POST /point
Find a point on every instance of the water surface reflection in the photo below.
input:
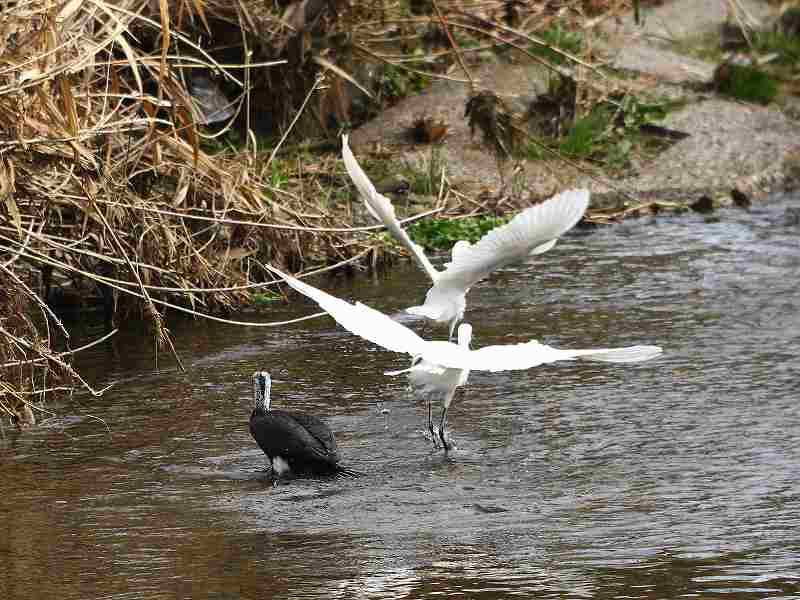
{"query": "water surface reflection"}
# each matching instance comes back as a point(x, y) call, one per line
point(673, 478)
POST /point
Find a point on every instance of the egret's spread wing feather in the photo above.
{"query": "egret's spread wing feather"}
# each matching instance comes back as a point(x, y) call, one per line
point(544, 247)
point(532, 231)
point(516, 357)
point(630, 354)
point(360, 319)
point(382, 209)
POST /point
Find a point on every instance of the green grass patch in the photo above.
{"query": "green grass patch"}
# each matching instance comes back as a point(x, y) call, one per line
point(265, 298)
point(424, 177)
point(786, 47)
point(609, 133)
point(557, 36)
point(746, 83)
point(586, 133)
point(397, 83)
point(442, 234)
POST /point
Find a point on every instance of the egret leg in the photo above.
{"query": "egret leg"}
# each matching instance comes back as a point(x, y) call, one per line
point(453, 324)
point(443, 430)
point(430, 425)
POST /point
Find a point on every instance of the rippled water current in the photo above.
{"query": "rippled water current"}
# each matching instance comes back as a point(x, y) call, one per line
point(677, 478)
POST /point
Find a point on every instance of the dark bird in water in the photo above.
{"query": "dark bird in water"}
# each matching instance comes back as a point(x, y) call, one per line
point(295, 443)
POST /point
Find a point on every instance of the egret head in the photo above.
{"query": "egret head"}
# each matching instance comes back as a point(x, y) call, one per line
point(261, 387)
point(464, 335)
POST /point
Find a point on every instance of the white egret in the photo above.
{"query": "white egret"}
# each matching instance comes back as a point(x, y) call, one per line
point(434, 380)
point(294, 442)
point(533, 231)
point(443, 366)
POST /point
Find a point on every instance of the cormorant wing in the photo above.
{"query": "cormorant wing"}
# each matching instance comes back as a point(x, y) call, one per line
point(533, 231)
point(318, 429)
point(382, 209)
point(280, 433)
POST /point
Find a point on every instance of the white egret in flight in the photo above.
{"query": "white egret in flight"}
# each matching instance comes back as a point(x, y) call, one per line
point(533, 231)
point(443, 366)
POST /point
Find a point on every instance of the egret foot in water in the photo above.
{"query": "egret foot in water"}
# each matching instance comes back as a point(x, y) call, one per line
point(431, 428)
point(443, 432)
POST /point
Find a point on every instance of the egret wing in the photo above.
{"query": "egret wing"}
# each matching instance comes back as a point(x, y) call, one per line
point(382, 209)
point(533, 231)
point(360, 319)
point(514, 357)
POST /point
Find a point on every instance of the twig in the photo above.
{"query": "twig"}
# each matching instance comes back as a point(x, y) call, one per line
point(453, 43)
point(320, 78)
point(195, 217)
point(60, 354)
point(161, 331)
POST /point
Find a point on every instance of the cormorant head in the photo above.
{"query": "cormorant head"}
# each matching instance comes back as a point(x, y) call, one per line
point(261, 388)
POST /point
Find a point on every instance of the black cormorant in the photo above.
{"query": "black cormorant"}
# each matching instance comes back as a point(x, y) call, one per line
point(295, 443)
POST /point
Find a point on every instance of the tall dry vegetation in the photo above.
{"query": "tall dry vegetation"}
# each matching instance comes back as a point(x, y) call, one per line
point(105, 189)
point(104, 184)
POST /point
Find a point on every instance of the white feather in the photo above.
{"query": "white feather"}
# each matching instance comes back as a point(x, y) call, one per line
point(382, 209)
point(380, 329)
point(533, 231)
point(360, 319)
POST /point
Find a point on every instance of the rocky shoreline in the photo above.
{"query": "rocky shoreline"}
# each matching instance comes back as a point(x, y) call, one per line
point(731, 145)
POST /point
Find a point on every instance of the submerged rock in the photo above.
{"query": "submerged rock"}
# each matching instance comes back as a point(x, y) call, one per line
point(740, 199)
point(704, 204)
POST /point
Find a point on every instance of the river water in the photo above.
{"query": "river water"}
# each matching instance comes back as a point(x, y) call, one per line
point(678, 477)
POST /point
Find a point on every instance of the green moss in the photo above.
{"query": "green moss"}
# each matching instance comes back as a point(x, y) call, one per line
point(586, 133)
point(264, 298)
point(441, 234)
point(746, 83)
point(557, 36)
point(786, 47)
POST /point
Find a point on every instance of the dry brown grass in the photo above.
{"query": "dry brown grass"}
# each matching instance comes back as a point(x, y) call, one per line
point(104, 183)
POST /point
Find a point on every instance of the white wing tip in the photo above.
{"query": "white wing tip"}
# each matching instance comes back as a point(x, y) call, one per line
point(576, 194)
point(630, 354)
point(429, 312)
point(399, 372)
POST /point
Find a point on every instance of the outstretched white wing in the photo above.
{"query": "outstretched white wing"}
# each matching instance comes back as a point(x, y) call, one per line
point(380, 329)
point(533, 231)
point(382, 209)
point(515, 357)
point(360, 319)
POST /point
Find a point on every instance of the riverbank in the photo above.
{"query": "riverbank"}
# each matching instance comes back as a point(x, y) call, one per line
point(117, 187)
point(729, 144)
